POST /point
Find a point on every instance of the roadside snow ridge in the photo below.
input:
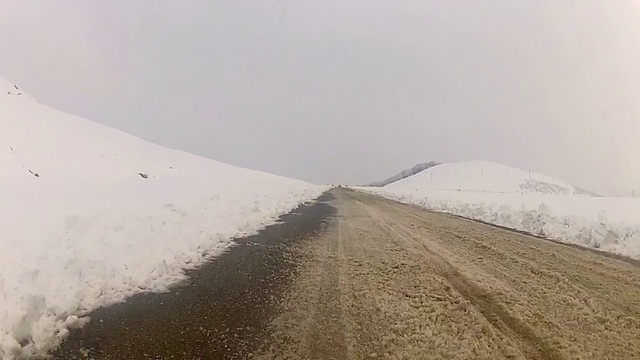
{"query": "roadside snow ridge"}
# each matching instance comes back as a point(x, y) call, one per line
point(90, 215)
point(485, 176)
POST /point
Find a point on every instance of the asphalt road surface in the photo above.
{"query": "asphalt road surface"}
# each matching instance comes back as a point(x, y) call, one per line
point(359, 277)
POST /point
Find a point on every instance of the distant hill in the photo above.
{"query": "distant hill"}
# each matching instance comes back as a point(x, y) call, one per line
point(405, 174)
point(485, 176)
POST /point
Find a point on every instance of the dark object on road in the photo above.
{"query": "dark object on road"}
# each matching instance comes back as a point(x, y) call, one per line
point(143, 175)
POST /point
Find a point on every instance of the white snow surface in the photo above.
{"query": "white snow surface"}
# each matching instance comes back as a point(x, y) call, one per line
point(501, 195)
point(81, 228)
point(485, 176)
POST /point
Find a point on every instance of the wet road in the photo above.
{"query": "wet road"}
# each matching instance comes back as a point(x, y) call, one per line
point(221, 312)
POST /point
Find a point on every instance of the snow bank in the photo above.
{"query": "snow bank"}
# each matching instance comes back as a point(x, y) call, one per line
point(531, 202)
point(608, 224)
point(90, 216)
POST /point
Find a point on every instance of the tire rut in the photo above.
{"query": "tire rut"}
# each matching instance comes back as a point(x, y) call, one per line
point(525, 260)
point(531, 345)
point(328, 336)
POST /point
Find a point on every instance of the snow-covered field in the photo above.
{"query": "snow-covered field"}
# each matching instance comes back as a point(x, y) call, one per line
point(534, 203)
point(90, 215)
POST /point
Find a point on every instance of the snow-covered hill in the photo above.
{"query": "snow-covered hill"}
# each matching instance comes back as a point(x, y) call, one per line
point(90, 215)
point(405, 173)
point(485, 176)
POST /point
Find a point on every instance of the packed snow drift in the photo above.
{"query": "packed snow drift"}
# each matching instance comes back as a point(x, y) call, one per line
point(524, 201)
point(90, 215)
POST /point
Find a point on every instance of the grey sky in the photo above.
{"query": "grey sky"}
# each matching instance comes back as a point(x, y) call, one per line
point(348, 91)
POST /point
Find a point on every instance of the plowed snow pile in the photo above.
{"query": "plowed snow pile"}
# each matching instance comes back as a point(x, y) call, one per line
point(90, 215)
point(530, 202)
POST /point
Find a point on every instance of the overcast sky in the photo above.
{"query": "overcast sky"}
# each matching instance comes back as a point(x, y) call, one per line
point(348, 91)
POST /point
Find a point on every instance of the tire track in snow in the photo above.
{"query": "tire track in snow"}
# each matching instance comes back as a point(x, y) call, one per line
point(532, 345)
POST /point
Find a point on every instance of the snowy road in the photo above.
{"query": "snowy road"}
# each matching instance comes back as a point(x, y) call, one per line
point(372, 278)
point(388, 280)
